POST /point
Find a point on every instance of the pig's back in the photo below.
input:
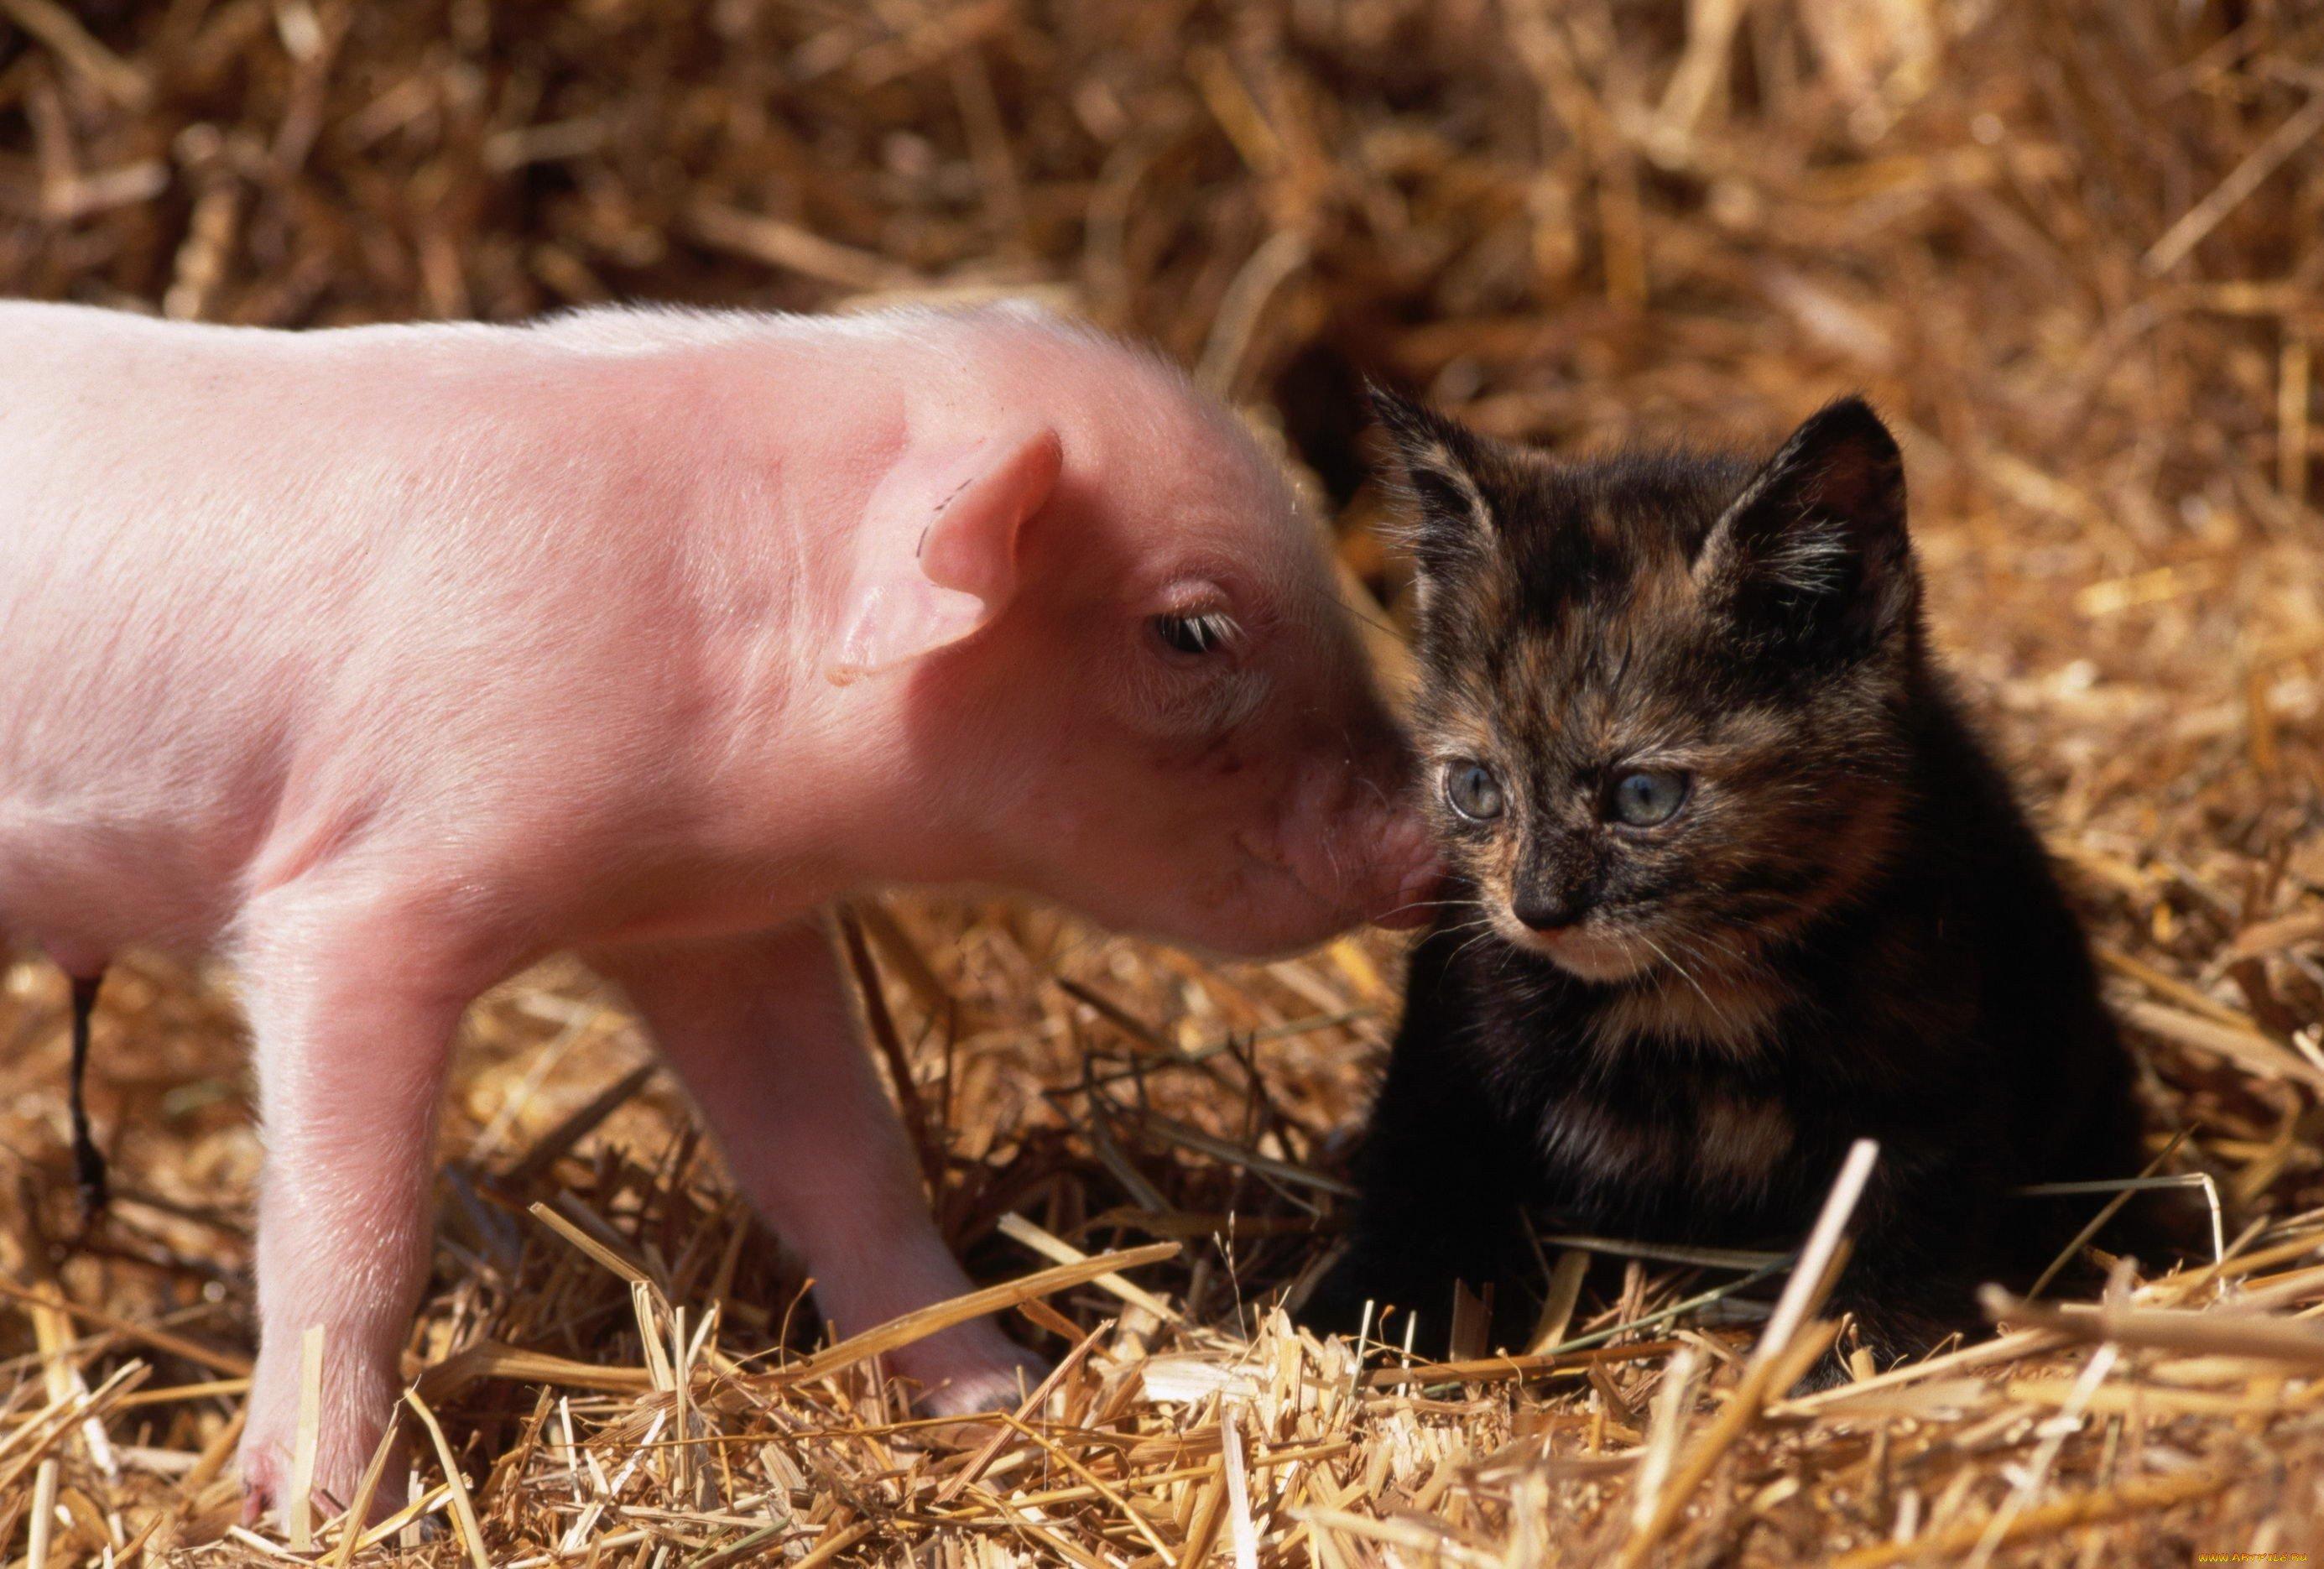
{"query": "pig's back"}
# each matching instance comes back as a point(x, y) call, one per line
point(144, 678)
point(248, 580)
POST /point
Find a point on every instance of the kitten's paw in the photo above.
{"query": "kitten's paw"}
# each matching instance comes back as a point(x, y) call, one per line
point(1829, 1371)
point(1335, 1306)
point(1359, 1294)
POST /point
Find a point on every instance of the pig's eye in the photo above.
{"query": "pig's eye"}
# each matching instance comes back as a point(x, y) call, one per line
point(1473, 791)
point(1193, 634)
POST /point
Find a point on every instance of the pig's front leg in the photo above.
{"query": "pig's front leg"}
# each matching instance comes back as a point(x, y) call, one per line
point(762, 1033)
point(352, 1020)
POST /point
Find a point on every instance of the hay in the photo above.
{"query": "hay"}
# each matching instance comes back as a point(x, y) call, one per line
point(2069, 247)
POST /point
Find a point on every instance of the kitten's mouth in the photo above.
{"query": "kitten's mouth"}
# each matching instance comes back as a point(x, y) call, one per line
point(1584, 954)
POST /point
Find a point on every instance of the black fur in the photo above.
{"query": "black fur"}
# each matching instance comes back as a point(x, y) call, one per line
point(1849, 931)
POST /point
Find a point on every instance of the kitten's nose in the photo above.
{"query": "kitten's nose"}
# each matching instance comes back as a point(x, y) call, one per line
point(1548, 909)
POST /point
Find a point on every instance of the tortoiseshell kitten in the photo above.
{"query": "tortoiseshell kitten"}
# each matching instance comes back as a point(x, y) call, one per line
point(1734, 884)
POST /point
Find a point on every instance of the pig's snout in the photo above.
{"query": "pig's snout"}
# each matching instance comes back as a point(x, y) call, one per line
point(1405, 844)
point(1358, 842)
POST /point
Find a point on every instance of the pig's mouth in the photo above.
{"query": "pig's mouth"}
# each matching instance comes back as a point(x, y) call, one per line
point(1415, 900)
point(1342, 889)
point(1268, 871)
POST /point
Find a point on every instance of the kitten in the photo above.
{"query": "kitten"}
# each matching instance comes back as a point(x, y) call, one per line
point(1735, 883)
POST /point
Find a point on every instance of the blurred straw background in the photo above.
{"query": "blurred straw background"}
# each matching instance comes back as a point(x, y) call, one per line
point(2071, 247)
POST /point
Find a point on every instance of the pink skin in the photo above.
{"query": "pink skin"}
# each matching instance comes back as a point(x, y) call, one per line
point(385, 660)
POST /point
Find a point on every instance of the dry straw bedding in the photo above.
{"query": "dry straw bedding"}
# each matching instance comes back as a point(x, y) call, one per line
point(2069, 247)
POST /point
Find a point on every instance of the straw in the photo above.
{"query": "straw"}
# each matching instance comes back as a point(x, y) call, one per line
point(2065, 248)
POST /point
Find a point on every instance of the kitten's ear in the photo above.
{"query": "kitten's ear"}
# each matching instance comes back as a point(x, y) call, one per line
point(1442, 466)
point(1813, 553)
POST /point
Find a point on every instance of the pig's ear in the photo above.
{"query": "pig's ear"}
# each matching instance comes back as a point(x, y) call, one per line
point(936, 555)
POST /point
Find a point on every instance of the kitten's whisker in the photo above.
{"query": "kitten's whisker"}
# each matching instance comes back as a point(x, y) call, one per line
point(1443, 904)
point(1745, 962)
point(1688, 976)
point(1371, 617)
point(1472, 942)
point(1430, 904)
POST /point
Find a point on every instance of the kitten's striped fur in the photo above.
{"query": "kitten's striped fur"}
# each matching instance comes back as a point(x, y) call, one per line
point(1847, 928)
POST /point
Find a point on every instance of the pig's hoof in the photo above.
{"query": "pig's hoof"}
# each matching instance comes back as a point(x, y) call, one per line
point(1003, 1388)
point(265, 1482)
point(968, 1369)
point(971, 1393)
point(266, 1487)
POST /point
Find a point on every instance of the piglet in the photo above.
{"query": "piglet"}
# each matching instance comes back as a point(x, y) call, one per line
point(385, 660)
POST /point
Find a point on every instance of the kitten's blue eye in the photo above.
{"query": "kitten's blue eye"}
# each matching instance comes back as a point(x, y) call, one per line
point(1649, 798)
point(1194, 634)
point(1473, 792)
